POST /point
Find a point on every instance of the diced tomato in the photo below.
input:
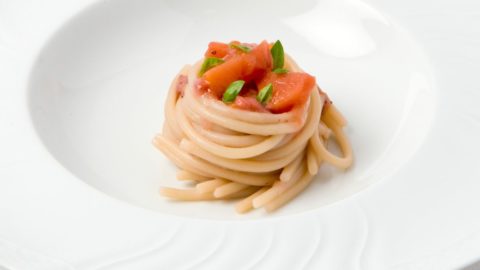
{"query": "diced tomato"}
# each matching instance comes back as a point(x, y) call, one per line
point(263, 60)
point(258, 62)
point(217, 49)
point(221, 76)
point(248, 104)
point(289, 90)
point(246, 66)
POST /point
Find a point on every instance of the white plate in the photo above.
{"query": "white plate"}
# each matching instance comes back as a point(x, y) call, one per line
point(82, 87)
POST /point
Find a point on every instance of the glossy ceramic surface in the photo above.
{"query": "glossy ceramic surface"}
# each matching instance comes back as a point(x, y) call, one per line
point(82, 86)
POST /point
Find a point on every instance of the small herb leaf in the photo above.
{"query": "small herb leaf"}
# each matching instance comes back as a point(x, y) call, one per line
point(232, 91)
point(280, 70)
point(277, 55)
point(240, 47)
point(265, 94)
point(209, 63)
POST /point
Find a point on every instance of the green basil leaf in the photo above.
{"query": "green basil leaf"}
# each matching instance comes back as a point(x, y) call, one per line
point(232, 91)
point(209, 63)
point(240, 47)
point(280, 70)
point(277, 55)
point(265, 94)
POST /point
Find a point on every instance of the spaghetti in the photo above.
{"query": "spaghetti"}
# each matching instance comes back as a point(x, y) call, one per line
point(264, 153)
